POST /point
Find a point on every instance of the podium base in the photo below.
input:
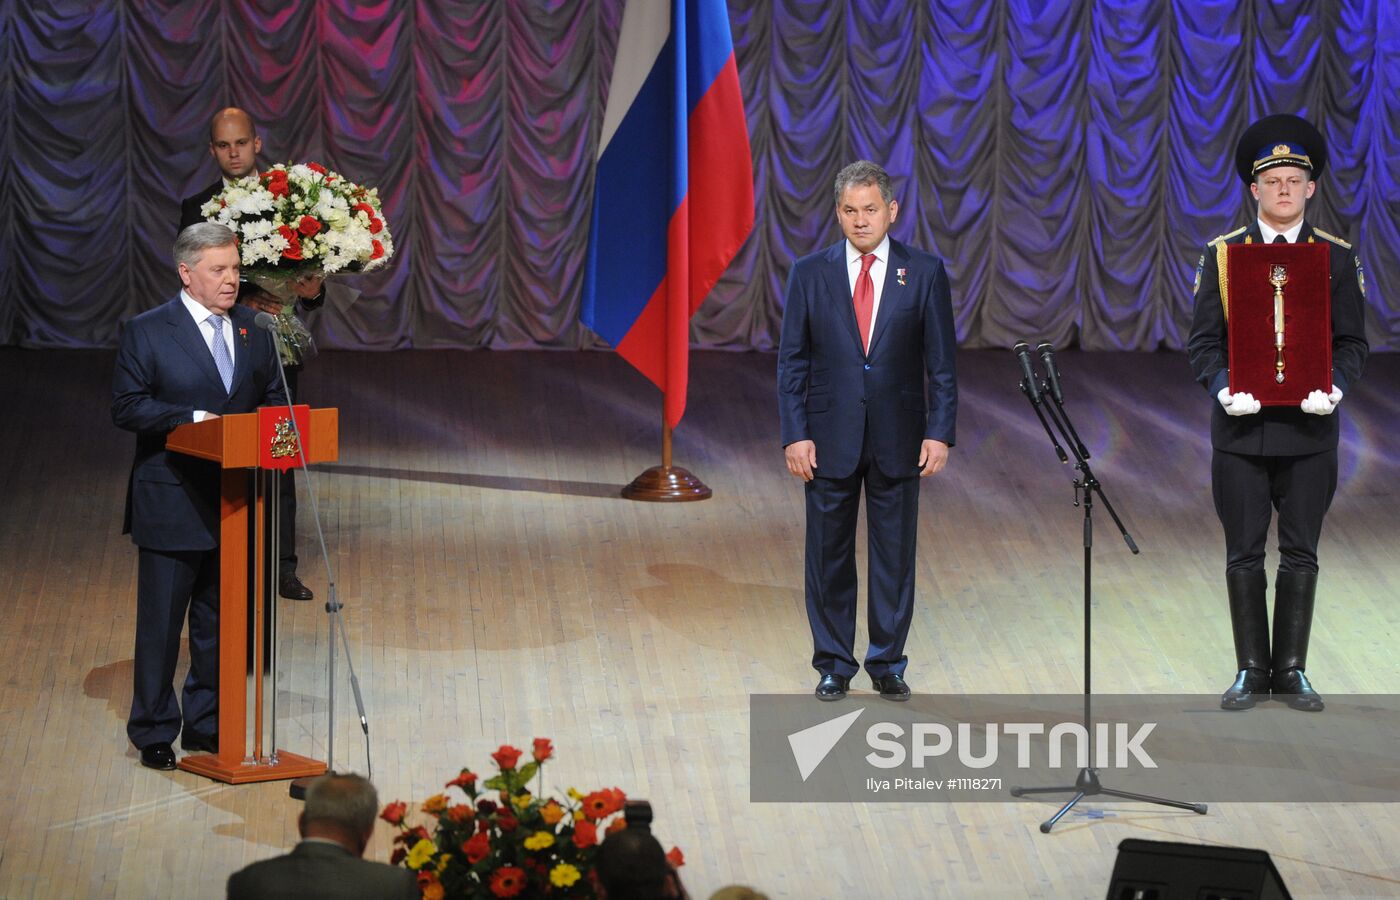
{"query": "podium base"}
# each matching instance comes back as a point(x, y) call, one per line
point(663, 484)
point(289, 765)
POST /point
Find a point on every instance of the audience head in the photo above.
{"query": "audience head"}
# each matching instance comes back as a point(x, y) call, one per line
point(632, 866)
point(341, 808)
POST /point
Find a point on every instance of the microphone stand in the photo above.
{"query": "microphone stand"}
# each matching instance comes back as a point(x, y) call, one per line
point(336, 622)
point(1086, 485)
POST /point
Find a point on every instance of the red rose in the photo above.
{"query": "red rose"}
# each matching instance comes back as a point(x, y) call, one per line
point(316, 167)
point(476, 847)
point(675, 857)
point(507, 756)
point(466, 779)
point(507, 822)
point(375, 225)
point(393, 813)
point(378, 252)
point(543, 749)
point(487, 807)
point(293, 250)
point(397, 856)
point(508, 881)
point(421, 833)
point(364, 208)
point(309, 225)
point(277, 184)
point(585, 834)
point(459, 813)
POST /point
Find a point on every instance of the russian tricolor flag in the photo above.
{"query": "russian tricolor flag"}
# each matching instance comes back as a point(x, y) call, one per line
point(674, 151)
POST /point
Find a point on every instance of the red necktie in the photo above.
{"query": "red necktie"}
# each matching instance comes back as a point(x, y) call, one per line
point(864, 299)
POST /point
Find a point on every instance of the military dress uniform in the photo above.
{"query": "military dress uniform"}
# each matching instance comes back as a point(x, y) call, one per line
point(1279, 458)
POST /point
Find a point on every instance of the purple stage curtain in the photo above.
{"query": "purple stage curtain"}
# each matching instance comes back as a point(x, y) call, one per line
point(1067, 158)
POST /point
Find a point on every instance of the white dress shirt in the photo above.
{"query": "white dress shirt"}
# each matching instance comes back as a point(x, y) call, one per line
point(200, 313)
point(877, 274)
point(1291, 235)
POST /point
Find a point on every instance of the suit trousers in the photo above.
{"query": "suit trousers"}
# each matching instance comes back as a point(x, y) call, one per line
point(1247, 489)
point(170, 583)
point(891, 513)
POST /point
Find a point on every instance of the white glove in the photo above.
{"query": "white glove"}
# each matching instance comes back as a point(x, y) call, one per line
point(1238, 404)
point(1320, 404)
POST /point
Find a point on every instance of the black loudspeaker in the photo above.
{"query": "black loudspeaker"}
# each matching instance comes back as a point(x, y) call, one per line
point(1159, 870)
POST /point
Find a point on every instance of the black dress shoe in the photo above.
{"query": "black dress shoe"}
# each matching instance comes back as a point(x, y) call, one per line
point(158, 756)
point(891, 686)
point(1293, 686)
point(291, 588)
point(1251, 685)
point(194, 743)
point(832, 687)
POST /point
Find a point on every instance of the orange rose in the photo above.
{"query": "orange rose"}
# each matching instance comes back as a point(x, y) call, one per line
point(543, 749)
point(459, 813)
point(393, 813)
point(675, 857)
point(476, 847)
point(551, 812)
point(435, 804)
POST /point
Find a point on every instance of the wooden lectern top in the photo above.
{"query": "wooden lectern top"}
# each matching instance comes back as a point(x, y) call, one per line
point(232, 441)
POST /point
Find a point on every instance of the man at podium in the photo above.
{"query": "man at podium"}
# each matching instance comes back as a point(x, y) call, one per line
point(196, 357)
point(1271, 453)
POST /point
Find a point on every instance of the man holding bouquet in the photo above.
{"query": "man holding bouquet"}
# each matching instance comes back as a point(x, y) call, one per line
point(234, 144)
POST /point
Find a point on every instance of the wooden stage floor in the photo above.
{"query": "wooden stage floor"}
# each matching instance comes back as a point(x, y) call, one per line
point(498, 590)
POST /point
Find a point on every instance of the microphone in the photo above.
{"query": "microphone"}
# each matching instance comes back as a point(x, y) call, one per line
point(1023, 353)
point(265, 321)
point(1052, 374)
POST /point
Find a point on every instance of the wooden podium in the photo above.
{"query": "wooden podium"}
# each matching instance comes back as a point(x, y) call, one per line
point(233, 443)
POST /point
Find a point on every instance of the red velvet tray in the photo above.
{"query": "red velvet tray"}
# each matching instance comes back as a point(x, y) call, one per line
point(1307, 318)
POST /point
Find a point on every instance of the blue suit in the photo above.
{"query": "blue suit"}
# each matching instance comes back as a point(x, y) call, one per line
point(868, 415)
point(164, 372)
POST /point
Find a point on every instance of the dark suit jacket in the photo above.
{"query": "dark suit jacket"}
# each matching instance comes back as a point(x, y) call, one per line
point(905, 389)
point(315, 869)
point(1276, 430)
point(189, 207)
point(164, 373)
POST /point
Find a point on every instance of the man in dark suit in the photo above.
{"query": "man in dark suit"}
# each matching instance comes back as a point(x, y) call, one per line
point(1282, 458)
point(185, 361)
point(866, 385)
point(234, 144)
point(335, 825)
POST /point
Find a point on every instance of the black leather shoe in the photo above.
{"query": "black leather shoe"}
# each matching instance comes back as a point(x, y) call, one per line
point(194, 743)
point(832, 687)
point(291, 588)
point(1293, 686)
point(1251, 685)
point(158, 756)
point(891, 686)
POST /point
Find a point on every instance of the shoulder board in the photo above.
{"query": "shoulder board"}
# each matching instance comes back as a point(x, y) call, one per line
point(1225, 237)
point(1331, 237)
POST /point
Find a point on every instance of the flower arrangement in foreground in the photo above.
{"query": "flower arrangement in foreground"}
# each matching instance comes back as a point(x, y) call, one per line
point(299, 220)
point(516, 845)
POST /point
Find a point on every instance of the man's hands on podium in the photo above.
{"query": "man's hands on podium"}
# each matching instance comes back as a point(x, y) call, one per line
point(1320, 404)
point(1241, 404)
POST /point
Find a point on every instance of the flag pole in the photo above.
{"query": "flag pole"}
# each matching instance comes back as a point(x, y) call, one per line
point(666, 483)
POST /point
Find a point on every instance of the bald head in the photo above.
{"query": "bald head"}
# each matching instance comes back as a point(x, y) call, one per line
point(234, 142)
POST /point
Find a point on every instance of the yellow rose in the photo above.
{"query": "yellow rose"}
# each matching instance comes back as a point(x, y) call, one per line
point(563, 875)
point(538, 841)
point(521, 801)
point(420, 854)
point(435, 804)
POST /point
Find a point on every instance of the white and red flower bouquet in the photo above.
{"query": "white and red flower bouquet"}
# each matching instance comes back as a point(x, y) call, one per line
point(293, 221)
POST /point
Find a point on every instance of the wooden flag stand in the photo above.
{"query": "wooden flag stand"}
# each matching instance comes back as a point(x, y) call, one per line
point(233, 443)
point(666, 483)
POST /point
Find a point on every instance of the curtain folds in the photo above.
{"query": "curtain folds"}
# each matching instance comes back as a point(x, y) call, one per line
point(1068, 158)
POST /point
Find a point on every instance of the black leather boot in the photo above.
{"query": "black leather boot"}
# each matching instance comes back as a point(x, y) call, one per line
point(1294, 593)
point(1249, 618)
